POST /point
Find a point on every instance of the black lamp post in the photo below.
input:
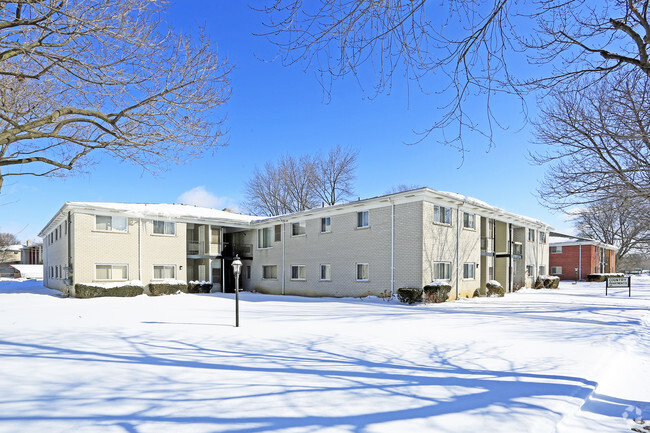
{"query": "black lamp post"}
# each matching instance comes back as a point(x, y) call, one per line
point(236, 269)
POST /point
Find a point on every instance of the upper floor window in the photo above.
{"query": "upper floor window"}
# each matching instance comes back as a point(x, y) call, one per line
point(469, 220)
point(164, 228)
point(531, 235)
point(298, 229)
point(265, 237)
point(278, 232)
point(111, 223)
point(441, 214)
point(362, 219)
point(542, 237)
point(556, 250)
point(325, 225)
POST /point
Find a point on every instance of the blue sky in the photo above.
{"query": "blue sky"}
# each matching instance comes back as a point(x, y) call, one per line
point(276, 110)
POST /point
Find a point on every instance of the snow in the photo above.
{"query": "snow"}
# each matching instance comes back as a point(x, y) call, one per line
point(568, 360)
point(136, 283)
point(29, 271)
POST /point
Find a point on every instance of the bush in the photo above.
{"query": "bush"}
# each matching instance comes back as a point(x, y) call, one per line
point(477, 293)
point(88, 291)
point(195, 287)
point(494, 288)
point(436, 292)
point(600, 278)
point(408, 295)
point(157, 289)
point(546, 282)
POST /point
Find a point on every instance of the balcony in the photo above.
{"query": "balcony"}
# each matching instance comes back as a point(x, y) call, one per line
point(202, 248)
point(487, 244)
point(243, 250)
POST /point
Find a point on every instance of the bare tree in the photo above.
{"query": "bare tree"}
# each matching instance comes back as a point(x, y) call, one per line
point(459, 49)
point(335, 175)
point(598, 141)
point(80, 76)
point(622, 222)
point(298, 184)
point(7, 240)
point(402, 187)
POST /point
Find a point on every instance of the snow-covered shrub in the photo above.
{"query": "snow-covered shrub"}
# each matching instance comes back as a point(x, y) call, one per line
point(409, 295)
point(167, 287)
point(437, 291)
point(477, 293)
point(96, 291)
point(494, 288)
point(547, 282)
point(199, 287)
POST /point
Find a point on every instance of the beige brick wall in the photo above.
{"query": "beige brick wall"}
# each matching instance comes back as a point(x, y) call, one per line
point(55, 255)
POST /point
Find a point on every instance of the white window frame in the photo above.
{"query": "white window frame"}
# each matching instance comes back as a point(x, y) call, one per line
point(555, 270)
point(471, 220)
point(557, 249)
point(443, 264)
point(542, 270)
point(112, 228)
point(361, 266)
point(363, 219)
point(260, 237)
point(270, 267)
point(531, 235)
point(441, 215)
point(112, 265)
point(530, 269)
point(326, 225)
point(301, 269)
point(153, 272)
point(298, 229)
point(471, 266)
point(165, 226)
point(329, 272)
point(542, 237)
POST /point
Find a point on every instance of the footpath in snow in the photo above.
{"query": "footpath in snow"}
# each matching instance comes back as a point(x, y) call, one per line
point(568, 360)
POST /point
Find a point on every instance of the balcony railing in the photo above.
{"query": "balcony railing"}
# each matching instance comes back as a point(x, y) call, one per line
point(202, 248)
point(243, 250)
point(487, 244)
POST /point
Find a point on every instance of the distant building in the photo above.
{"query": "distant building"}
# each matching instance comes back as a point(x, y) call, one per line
point(32, 254)
point(366, 247)
point(572, 258)
point(9, 255)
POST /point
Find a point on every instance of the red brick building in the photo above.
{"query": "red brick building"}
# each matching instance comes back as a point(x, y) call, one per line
point(587, 256)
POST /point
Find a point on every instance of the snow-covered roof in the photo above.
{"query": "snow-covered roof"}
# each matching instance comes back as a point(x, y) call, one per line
point(29, 271)
point(567, 242)
point(14, 248)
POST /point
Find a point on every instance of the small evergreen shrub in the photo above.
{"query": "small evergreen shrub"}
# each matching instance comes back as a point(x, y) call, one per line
point(436, 292)
point(195, 287)
point(600, 278)
point(494, 288)
point(89, 291)
point(157, 289)
point(477, 293)
point(408, 295)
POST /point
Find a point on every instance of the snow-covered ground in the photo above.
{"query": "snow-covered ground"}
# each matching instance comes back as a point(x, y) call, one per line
point(568, 360)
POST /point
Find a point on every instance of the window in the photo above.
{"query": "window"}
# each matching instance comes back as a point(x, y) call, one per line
point(469, 220)
point(270, 272)
point(164, 272)
point(530, 269)
point(556, 250)
point(362, 219)
point(531, 235)
point(164, 228)
point(468, 271)
point(298, 272)
point(542, 237)
point(110, 223)
point(441, 215)
point(264, 237)
point(325, 272)
point(278, 232)
point(111, 272)
point(298, 229)
point(556, 270)
point(442, 271)
point(542, 270)
point(325, 225)
point(65, 228)
point(57, 272)
point(248, 272)
point(362, 271)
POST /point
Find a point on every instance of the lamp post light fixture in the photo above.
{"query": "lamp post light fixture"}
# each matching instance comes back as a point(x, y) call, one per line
point(236, 269)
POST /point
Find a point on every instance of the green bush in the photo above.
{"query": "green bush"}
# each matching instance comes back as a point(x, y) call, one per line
point(199, 287)
point(408, 295)
point(88, 291)
point(494, 288)
point(600, 278)
point(436, 293)
point(157, 289)
point(546, 282)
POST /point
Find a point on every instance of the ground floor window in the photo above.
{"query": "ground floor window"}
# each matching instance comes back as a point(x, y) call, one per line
point(542, 270)
point(270, 272)
point(441, 270)
point(468, 271)
point(530, 269)
point(164, 272)
point(298, 272)
point(556, 270)
point(114, 272)
point(325, 273)
point(362, 272)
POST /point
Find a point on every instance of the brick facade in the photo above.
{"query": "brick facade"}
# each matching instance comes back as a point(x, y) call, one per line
point(589, 258)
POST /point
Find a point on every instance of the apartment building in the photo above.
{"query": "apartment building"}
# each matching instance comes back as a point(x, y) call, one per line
point(367, 247)
point(572, 259)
